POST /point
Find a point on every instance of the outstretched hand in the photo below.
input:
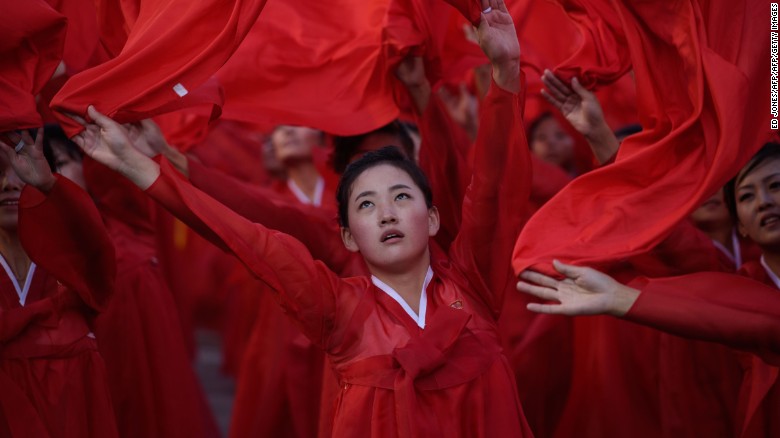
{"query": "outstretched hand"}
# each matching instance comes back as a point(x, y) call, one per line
point(580, 107)
point(584, 291)
point(108, 142)
point(498, 39)
point(25, 156)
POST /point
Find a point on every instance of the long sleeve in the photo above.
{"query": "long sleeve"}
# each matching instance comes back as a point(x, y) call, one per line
point(314, 227)
point(64, 234)
point(444, 159)
point(305, 288)
point(729, 309)
point(493, 208)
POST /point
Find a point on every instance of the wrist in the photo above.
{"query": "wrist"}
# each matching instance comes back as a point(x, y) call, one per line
point(506, 74)
point(623, 298)
point(47, 184)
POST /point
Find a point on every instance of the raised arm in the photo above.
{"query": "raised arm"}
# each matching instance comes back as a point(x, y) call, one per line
point(583, 110)
point(501, 181)
point(729, 309)
point(306, 289)
point(60, 227)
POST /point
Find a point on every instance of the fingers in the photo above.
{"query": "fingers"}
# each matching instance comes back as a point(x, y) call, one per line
point(540, 279)
point(39, 139)
point(550, 309)
point(80, 120)
point(100, 119)
point(501, 6)
point(555, 86)
point(485, 4)
point(579, 89)
point(544, 293)
point(553, 101)
point(569, 271)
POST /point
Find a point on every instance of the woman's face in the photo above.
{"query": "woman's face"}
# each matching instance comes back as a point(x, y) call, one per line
point(389, 221)
point(294, 142)
point(712, 213)
point(67, 166)
point(552, 144)
point(10, 190)
point(758, 204)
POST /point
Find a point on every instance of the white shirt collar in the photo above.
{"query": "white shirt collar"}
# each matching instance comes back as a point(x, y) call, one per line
point(20, 291)
point(735, 257)
point(419, 319)
point(318, 190)
point(769, 272)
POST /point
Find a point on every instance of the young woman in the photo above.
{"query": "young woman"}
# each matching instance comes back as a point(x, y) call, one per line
point(415, 344)
point(57, 272)
point(738, 312)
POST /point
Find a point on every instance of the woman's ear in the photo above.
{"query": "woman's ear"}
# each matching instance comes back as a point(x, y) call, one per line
point(349, 240)
point(433, 221)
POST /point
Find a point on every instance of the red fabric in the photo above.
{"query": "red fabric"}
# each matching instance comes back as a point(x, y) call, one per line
point(470, 9)
point(53, 378)
point(740, 312)
point(698, 96)
point(135, 84)
point(399, 378)
point(314, 63)
point(153, 387)
point(31, 49)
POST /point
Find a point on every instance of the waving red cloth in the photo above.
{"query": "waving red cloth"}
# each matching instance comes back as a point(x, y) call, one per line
point(700, 90)
point(313, 63)
point(30, 50)
point(162, 61)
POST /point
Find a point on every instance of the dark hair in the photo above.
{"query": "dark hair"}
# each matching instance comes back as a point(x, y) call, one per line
point(387, 155)
point(345, 148)
point(534, 126)
point(53, 132)
point(768, 151)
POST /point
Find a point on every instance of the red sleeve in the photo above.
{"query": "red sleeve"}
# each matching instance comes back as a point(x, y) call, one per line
point(496, 197)
point(305, 288)
point(316, 228)
point(729, 309)
point(63, 233)
point(443, 158)
point(30, 51)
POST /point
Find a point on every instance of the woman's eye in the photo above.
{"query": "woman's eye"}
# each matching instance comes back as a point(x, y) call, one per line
point(774, 185)
point(59, 164)
point(365, 204)
point(745, 197)
point(402, 196)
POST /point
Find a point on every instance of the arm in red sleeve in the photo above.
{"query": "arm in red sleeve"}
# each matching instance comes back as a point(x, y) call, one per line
point(729, 309)
point(306, 289)
point(443, 158)
point(314, 227)
point(63, 233)
point(496, 197)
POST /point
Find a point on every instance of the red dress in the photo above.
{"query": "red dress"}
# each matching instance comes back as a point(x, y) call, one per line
point(153, 386)
point(741, 313)
point(52, 377)
point(449, 378)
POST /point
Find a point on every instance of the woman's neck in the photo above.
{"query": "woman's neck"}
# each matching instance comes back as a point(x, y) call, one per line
point(305, 176)
point(407, 281)
point(14, 254)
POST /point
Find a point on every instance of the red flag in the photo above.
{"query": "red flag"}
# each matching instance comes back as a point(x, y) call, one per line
point(703, 103)
point(313, 63)
point(30, 51)
point(173, 47)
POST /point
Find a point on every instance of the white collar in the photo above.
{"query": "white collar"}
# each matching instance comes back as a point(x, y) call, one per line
point(318, 190)
point(736, 256)
point(419, 319)
point(20, 291)
point(769, 272)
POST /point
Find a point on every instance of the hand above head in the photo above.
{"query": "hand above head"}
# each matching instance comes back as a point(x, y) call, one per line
point(584, 291)
point(498, 39)
point(411, 73)
point(583, 110)
point(109, 143)
point(26, 157)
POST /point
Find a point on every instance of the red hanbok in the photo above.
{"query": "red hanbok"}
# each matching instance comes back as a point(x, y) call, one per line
point(52, 378)
point(449, 378)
